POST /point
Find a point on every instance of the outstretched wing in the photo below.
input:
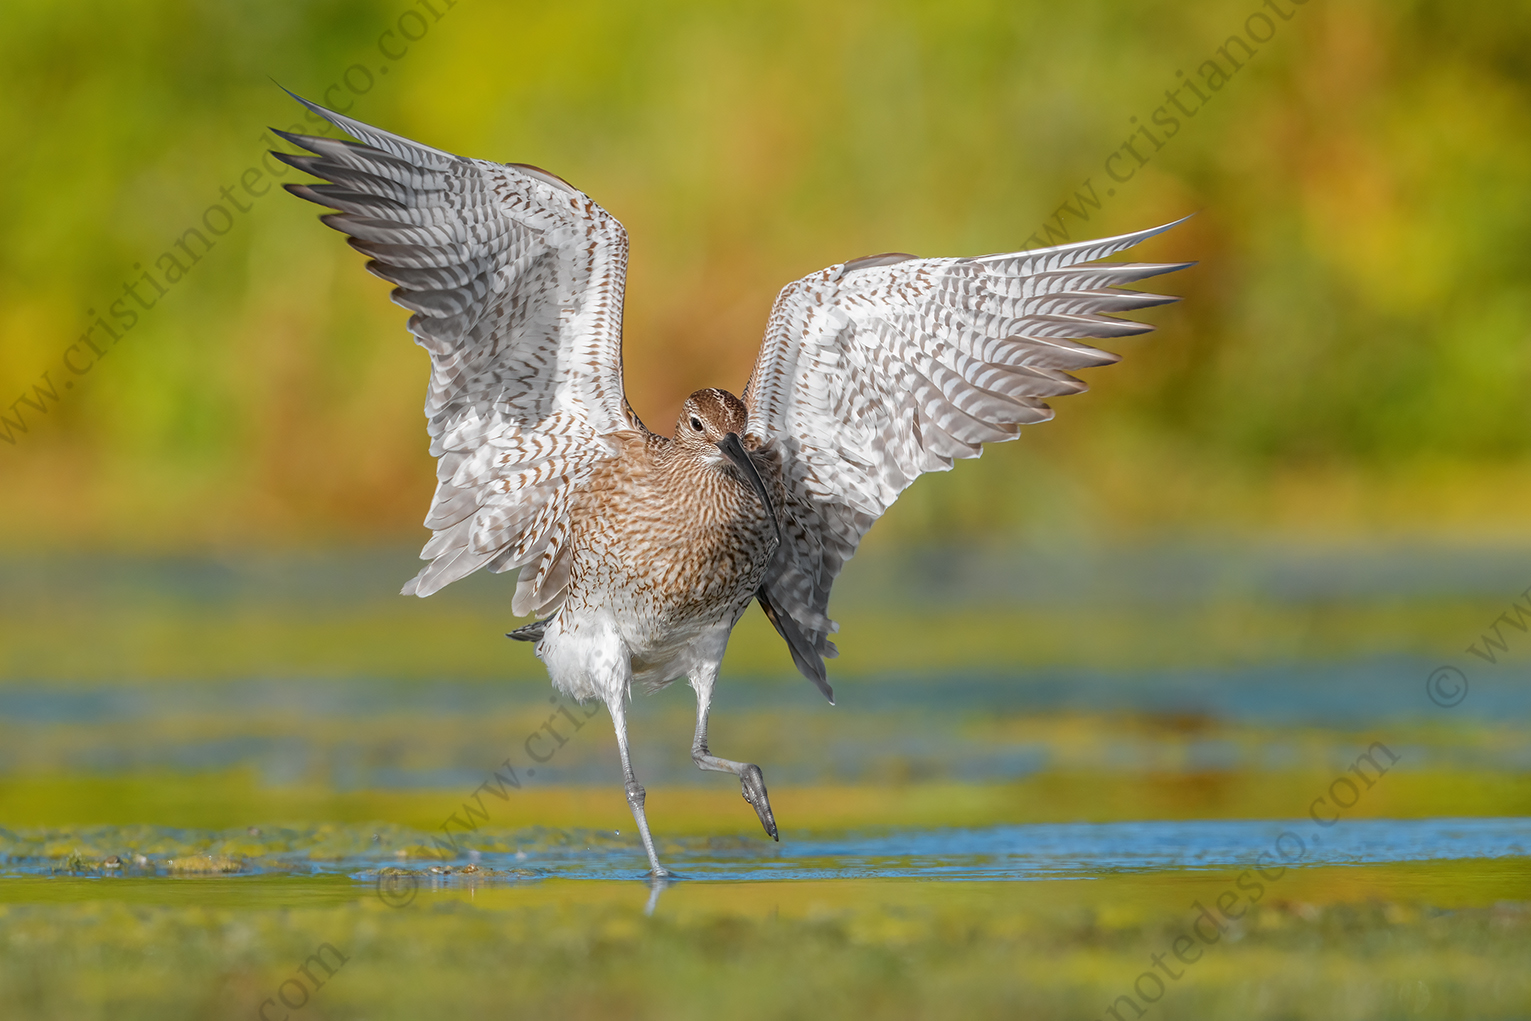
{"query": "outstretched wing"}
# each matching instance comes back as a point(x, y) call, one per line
point(877, 370)
point(515, 280)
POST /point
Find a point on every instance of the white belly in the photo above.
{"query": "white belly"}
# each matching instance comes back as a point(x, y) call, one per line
point(594, 651)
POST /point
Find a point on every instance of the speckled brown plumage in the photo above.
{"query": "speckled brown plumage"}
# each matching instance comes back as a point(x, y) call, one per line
point(673, 537)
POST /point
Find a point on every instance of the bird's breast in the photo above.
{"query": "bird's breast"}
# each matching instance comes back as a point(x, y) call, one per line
point(673, 552)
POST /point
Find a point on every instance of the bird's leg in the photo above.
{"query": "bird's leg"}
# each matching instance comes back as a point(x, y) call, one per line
point(635, 794)
point(751, 781)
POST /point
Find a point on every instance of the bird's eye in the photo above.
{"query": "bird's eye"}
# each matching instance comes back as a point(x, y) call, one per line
point(696, 423)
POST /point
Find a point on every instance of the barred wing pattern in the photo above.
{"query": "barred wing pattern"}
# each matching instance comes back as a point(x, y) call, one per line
point(878, 370)
point(515, 280)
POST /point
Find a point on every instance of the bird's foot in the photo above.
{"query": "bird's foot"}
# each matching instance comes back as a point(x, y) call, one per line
point(753, 785)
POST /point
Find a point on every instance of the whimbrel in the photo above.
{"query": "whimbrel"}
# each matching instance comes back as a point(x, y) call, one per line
point(639, 552)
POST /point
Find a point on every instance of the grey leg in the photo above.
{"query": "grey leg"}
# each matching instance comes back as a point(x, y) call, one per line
point(751, 781)
point(635, 794)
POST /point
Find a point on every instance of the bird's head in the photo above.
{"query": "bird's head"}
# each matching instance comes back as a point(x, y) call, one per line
point(708, 418)
point(709, 428)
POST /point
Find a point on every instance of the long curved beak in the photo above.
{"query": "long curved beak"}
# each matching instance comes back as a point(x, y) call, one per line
point(735, 452)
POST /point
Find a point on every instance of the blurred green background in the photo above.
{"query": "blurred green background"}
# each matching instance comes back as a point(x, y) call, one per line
point(1350, 358)
point(1196, 594)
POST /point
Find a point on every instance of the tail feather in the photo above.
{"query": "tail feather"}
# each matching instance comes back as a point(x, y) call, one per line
point(530, 632)
point(809, 663)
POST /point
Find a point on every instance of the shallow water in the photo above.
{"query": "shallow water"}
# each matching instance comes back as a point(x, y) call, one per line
point(969, 836)
point(996, 853)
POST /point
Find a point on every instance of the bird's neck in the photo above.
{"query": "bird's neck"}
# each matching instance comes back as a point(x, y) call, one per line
point(709, 485)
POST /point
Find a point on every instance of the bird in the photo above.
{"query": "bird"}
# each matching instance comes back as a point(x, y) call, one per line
point(637, 553)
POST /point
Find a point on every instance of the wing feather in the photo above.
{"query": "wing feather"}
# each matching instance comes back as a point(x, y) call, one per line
point(877, 370)
point(515, 282)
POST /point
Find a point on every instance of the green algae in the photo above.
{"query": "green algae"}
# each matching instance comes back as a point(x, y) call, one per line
point(1428, 940)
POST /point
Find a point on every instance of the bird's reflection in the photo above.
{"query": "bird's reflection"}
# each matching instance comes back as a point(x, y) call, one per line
point(657, 886)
